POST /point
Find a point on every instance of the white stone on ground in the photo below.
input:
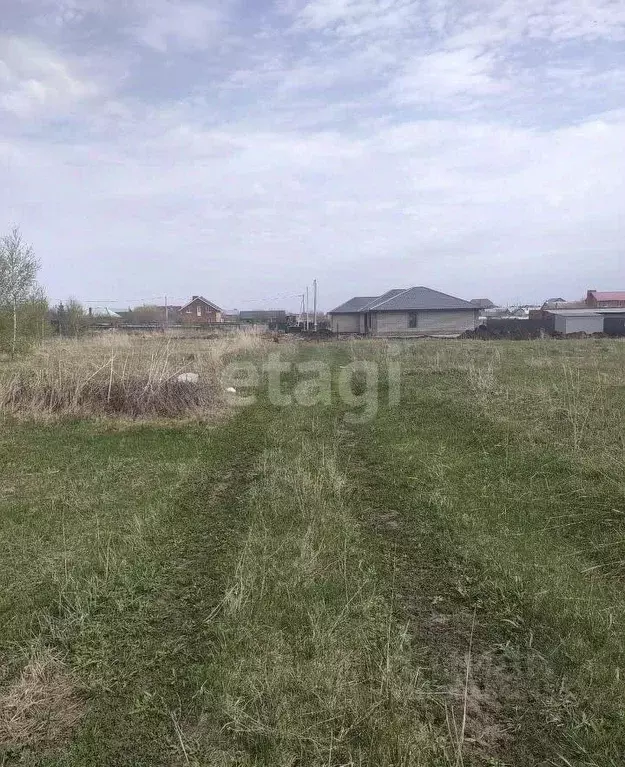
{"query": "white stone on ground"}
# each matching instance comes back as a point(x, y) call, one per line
point(188, 378)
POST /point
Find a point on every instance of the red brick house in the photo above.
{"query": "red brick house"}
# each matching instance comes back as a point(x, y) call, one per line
point(200, 311)
point(611, 300)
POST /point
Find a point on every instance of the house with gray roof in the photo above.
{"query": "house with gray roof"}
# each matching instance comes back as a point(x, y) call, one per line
point(402, 312)
point(482, 303)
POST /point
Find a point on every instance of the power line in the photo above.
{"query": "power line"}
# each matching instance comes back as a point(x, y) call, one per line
point(151, 299)
point(162, 297)
point(108, 300)
point(280, 296)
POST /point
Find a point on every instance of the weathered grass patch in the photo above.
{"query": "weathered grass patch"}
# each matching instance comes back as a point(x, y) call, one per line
point(41, 708)
point(312, 667)
point(116, 544)
point(120, 375)
point(441, 586)
point(510, 538)
point(133, 397)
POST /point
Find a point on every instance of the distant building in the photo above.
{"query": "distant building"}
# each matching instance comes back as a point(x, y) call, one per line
point(596, 299)
point(523, 312)
point(482, 303)
point(152, 315)
point(280, 319)
point(264, 316)
point(561, 303)
point(200, 311)
point(105, 313)
point(567, 321)
point(405, 312)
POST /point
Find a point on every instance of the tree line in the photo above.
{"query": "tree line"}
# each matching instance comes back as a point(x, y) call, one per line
point(23, 305)
point(25, 316)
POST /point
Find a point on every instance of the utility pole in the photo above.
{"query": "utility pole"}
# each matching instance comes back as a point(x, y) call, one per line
point(166, 314)
point(307, 305)
point(315, 305)
point(303, 306)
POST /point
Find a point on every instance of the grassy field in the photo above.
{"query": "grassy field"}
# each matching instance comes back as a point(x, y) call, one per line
point(187, 582)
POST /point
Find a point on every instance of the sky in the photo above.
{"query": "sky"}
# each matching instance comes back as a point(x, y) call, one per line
point(153, 148)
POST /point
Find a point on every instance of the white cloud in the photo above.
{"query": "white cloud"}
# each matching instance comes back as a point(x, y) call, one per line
point(161, 25)
point(445, 74)
point(313, 145)
point(165, 24)
point(405, 204)
point(64, 13)
point(352, 18)
point(317, 14)
point(552, 19)
point(571, 19)
point(33, 78)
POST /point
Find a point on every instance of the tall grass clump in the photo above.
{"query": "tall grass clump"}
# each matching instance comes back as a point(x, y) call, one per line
point(120, 375)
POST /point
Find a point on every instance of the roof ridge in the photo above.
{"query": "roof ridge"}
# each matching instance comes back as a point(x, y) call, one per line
point(390, 298)
point(372, 301)
point(440, 292)
point(447, 295)
point(420, 298)
point(206, 301)
point(355, 309)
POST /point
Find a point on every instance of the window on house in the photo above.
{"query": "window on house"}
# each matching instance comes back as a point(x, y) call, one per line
point(199, 310)
point(412, 319)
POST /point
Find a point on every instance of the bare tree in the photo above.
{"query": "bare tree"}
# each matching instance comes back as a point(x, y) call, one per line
point(147, 314)
point(18, 273)
point(75, 317)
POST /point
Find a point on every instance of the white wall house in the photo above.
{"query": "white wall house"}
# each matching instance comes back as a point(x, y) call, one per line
point(402, 312)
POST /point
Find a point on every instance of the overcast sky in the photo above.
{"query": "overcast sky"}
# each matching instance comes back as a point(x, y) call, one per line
point(240, 149)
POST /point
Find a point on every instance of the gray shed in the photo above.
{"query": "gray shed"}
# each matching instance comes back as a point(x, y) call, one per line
point(614, 323)
point(576, 321)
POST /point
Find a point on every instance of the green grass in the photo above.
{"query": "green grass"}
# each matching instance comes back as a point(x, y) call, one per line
point(118, 564)
point(441, 585)
point(507, 536)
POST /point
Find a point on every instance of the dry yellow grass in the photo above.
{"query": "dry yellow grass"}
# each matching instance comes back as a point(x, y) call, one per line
point(121, 375)
point(41, 707)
